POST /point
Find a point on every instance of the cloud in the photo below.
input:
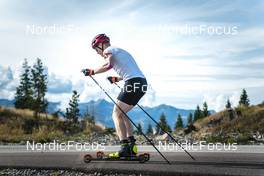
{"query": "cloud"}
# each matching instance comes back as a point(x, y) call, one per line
point(7, 82)
point(90, 91)
point(180, 68)
point(217, 102)
point(6, 76)
point(149, 99)
point(58, 84)
point(63, 98)
point(251, 53)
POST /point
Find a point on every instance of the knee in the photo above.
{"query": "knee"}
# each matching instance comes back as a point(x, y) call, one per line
point(117, 113)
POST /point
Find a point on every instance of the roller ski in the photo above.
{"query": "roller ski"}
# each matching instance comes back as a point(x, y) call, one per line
point(101, 156)
point(128, 152)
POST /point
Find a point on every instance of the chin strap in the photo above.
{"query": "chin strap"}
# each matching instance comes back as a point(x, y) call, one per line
point(100, 47)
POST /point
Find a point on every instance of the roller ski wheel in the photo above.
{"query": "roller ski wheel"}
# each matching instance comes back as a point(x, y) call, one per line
point(100, 155)
point(141, 158)
point(146, 156)
point(87, 158)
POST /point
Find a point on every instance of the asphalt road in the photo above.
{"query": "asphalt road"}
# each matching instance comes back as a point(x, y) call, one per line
point(207, 163)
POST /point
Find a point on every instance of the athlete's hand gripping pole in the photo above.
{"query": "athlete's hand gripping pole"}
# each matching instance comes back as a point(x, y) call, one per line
point(113, 79)
point(87, 72)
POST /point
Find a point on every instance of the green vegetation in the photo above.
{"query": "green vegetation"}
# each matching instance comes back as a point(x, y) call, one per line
point(244, 100)
point(241, 139)
point(243, 124)
point(237, 125)
point(139, 129)
point(197, 114)
point(30, 94)
point(190, 119)
point(164, 125)
point(24, 92)
point(205, 111)
point(228, 104)
point(200, 114)
point(20, 125)
point(149, 130)
point(72, 115)
point(28, 121)
point(179, 123)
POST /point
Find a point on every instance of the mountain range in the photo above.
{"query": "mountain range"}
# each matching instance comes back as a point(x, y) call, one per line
point(102, 111)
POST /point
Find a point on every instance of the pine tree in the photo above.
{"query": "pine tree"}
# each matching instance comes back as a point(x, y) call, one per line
point(228, 104)
point(168, 129)
point(244, 100)
point(24, 93)
point(139, 129)
point(179, 123)
point(149, 130)
point(205, 110)
point(88, 117)
point(190, 119)
point(39, 79)
point(164, 125)
point(197, 113)
point(72, 112)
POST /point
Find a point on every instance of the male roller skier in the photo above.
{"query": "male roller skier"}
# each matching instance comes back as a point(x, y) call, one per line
point(134, 88)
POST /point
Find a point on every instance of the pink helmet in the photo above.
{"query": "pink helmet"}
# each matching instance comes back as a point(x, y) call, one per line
point(100, 38)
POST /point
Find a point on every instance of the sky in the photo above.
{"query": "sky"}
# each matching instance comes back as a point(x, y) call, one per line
point(190, 51)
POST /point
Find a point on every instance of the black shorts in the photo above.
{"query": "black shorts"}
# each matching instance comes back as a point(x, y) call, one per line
point(133, 90)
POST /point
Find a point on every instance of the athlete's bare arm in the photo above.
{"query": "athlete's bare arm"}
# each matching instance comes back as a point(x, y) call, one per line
point(107, 66)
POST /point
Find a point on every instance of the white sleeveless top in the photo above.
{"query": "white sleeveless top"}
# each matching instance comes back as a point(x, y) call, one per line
point(123, 63)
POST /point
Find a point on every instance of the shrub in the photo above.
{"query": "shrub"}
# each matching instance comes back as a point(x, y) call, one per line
point(244, 139)
point(43, 134)
point(9, 134)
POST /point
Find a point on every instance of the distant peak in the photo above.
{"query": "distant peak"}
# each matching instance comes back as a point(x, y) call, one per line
point(100, 102)
point(165, 106)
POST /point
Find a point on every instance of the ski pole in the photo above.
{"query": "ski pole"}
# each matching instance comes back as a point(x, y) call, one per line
point(161, 128)
point(131, 121)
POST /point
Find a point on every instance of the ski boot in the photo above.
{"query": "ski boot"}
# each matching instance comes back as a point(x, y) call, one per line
point(124, 152)
point(133, 146)
point(128, 152)
point(133, 150)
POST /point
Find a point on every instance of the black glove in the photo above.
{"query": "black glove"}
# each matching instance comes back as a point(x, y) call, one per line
point(88, 72)
point(113, 79)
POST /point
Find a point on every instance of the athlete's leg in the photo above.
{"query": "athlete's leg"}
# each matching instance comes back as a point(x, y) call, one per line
point(129, 129)
point(126, 101)
point(118, 117)
point(120, 120)
point(126, 108)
